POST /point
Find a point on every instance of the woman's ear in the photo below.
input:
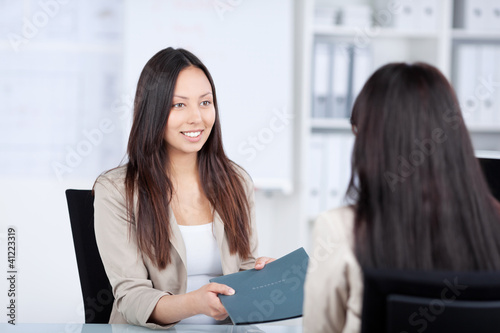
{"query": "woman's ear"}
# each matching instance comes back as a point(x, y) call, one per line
point(354, 129)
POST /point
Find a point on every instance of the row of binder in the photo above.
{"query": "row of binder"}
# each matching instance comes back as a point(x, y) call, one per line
point(359, 16)
point(340, 71)
point(400, 15)
point(473, 15)
point(477, 82)
point(329, 170)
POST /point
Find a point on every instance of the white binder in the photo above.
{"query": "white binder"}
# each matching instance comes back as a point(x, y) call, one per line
point(316, 175)
point(467, 72)
point(475, 14)
point(321, 79)
point(496, 78)
point(357, 16)
point(486, 92)
point(493, 15)
point(406, 16)
point(427, 13)
point(362, 68)
point(340, 80)
point(333, 154)
point(326, 15)
point(347, 143)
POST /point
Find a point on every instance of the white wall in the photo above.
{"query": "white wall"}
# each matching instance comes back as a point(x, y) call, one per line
point(253, 74)
point(48, 288)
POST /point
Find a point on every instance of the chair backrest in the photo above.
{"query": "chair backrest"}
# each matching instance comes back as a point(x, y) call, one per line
point(415, 301)
point(491, 171)
point(96, 290)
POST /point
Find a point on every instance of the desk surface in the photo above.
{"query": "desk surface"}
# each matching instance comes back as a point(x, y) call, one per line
point(115, 328)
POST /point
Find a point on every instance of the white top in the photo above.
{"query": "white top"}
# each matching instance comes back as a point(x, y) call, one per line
point(203, 262)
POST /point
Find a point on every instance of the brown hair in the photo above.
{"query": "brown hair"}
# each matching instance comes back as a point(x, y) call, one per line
point(147, 175)
point(421, 201)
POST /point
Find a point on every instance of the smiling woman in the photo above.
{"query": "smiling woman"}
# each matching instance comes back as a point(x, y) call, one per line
point(179, 212)
point(193, 113)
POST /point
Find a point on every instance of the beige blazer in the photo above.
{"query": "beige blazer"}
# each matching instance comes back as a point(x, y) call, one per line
point(333, 291)
point(137, 284)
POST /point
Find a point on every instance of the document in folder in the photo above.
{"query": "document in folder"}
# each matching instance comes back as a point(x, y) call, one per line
point(273, 293)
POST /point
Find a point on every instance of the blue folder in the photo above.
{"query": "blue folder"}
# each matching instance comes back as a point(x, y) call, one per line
point(274, 293)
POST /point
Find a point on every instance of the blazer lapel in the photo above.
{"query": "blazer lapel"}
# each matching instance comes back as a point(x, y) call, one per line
point(176, 240)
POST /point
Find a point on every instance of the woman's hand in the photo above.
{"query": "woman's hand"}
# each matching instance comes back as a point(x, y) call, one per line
point(262, 261)
point(207, 301)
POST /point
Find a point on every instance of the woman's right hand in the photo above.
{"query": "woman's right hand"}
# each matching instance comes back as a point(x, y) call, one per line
point(207, 301)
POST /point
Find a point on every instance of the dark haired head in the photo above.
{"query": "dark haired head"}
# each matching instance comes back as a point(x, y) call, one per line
point(147, 169)
point(153, 101)
point(421, 199)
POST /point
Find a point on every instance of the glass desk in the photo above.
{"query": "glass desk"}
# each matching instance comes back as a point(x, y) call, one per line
point(291, 326)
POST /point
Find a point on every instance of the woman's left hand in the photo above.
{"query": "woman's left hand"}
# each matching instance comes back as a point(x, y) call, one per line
point(262, 261)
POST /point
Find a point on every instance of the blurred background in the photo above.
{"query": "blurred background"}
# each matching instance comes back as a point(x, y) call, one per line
point(286, 74)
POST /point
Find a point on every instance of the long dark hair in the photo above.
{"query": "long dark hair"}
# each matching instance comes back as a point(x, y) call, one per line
point(421, 201)
point(147, 175)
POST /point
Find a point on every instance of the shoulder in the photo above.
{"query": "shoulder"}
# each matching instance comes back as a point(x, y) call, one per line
point(112, 180)
point(115, 176)
point(110, 196)
point(345, 213)
point(337, 222)
point(241, 172)
point(333, 239)
point(247, 180)
point(333, 276)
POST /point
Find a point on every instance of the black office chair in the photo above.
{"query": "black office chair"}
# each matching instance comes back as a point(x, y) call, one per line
point(96, 290)
point(416, 301)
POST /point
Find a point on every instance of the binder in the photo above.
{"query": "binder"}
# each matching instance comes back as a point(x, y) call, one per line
point(493, 14)
point(406, 17)
point(362, 68)
point(496, 77)
point(333, 193)
point(341, 56)
point(487, 94)
point(316, 174)
point(346, 144)
point(467, 71)
point(326, 15)
point(321, 79)
point(340, 71)
point(357, 16)
point(427, 13)
point(471, 14)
